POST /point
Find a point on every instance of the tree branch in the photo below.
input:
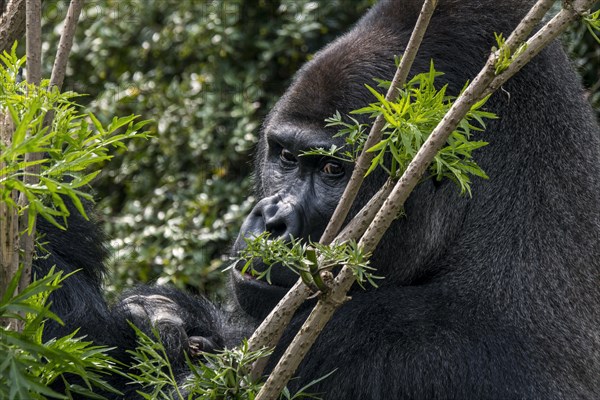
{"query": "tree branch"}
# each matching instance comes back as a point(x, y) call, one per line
point(12, 24)
point(66, 43)
point(33, 25)
point(33, 17)
point(365, 158)
point(59, 69)
point(535, 45)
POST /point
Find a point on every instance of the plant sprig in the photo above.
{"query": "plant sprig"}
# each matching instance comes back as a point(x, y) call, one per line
point(409, 120)
point(505, 56)
point(70, 146)
point(307, 259)
point(592, 22)
point(30, 366)
point(221, 375)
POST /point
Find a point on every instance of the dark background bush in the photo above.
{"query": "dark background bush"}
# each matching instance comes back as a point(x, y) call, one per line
point(207, 72)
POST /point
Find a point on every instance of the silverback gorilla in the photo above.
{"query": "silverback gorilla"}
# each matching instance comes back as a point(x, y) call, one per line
point(491, 297)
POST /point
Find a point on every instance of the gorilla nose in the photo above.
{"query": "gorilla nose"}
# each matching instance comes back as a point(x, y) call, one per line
point(281, 219)
point(276, 215)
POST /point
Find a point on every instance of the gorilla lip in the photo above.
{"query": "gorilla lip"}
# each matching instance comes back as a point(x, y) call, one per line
point(252, 280)
point(249, 276)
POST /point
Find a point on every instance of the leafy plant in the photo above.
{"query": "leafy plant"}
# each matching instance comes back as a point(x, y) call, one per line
point(410, 119)
point(30, 366)
point(73, 144)
point(307, 259)
point(225, 375)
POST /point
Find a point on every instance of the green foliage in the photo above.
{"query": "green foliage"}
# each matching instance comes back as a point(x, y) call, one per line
point(71, 146)
point(354, 134)
point(152, 368)
point(592, 22)
point(409, 120)
point(302, 258)
point(207, 72)
point(28, 366)
point(224, 375)
point(505, 56)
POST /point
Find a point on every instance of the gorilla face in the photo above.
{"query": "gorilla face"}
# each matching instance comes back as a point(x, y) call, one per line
point(300, 193)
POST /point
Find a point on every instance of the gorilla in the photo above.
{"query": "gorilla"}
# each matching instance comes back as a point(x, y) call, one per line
point(491, 297)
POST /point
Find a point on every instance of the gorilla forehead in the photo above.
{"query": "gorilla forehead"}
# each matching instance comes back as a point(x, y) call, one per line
point(300, 136)
point(335, 79)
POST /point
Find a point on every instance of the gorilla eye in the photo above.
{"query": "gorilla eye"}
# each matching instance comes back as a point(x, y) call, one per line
point(333, 168)
point(287, 157)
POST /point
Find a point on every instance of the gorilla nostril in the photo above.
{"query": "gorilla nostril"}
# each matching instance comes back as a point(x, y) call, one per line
point(276, 228)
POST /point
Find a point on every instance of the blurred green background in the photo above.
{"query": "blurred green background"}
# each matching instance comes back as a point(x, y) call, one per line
point(207, 72)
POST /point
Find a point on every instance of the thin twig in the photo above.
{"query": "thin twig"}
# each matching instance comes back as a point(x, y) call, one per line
point(535, 45)
point(66, 43)
point(365, 158)
point(59, 69)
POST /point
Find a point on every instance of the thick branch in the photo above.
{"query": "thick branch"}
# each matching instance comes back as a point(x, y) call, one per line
point(33, 17)
point(12, 24)
point(270, 330)
point(33, 24)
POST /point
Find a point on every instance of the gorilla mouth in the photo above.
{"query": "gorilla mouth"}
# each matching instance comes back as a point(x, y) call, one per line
point(280, 276)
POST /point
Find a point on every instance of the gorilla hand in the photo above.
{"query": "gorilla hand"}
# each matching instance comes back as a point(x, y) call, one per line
point(184, 323)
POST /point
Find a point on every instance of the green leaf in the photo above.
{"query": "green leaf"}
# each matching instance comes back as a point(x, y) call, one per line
point(97, 124)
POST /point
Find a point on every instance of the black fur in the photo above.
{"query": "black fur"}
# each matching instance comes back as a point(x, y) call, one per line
point(493, 297)
point(80, 302)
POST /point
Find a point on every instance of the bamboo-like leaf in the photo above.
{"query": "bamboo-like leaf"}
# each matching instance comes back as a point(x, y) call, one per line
point(97, 124)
